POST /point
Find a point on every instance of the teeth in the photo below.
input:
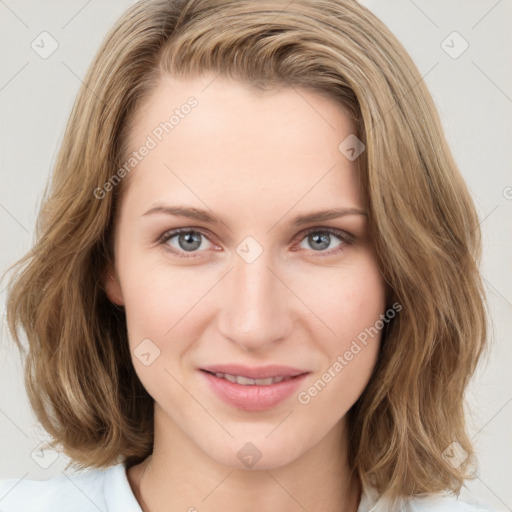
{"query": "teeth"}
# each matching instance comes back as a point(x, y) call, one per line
point(245, 381)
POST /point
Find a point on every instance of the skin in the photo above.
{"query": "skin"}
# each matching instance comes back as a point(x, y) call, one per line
point(256, 160)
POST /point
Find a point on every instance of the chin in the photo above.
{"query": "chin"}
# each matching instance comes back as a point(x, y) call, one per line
point(258, 453)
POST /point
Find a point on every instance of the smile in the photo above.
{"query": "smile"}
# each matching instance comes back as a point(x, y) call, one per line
point(253, 394)
point(246, 381)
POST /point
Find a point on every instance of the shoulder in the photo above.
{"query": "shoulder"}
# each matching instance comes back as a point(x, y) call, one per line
point(442, 502)
point(85, 491)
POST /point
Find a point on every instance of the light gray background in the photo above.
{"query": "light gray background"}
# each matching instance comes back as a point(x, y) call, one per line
point(474, 96)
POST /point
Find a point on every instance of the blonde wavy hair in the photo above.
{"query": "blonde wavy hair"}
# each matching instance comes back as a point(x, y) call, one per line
point(78, 371)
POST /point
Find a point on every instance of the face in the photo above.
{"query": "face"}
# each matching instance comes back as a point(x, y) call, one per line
point(219, 260)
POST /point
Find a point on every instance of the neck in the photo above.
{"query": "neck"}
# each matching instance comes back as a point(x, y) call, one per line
point(180, 476)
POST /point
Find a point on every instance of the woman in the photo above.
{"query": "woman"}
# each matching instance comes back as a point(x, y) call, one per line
point(255, 285)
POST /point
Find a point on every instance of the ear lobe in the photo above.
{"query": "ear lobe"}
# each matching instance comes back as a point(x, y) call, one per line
point(112, 286)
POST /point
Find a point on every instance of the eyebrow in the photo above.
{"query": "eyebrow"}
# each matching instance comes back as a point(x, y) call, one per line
point(211, 218)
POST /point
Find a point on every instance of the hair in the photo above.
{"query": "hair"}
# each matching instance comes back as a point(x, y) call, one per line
point(78, 371)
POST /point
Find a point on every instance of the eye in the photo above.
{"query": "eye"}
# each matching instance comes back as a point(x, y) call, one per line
point(325, 240)
point(185, 240)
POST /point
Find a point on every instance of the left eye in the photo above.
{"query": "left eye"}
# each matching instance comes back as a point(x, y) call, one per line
point(181, 242)
point(321, 240)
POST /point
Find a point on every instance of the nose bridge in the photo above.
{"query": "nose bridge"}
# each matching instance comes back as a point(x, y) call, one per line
point(254, 312)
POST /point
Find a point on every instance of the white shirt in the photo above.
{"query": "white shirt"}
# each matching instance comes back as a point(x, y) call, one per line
point(108, 490)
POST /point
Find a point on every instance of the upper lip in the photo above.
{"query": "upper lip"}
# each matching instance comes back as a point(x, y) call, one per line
point(256, 372)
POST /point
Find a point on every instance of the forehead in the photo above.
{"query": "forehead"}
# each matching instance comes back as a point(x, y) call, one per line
point(215, 138)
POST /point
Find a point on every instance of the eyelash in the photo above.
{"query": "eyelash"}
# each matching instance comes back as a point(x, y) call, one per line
point(344, 238)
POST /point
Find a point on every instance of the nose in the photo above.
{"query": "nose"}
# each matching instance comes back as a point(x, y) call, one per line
point(256, 307)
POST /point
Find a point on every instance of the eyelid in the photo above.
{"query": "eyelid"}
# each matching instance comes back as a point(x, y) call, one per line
point(167, 235)
point(340, 233)
point(171, 233)
point(344, 237)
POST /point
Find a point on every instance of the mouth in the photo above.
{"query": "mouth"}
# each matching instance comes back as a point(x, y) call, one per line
point(274, 371)
point(253, 389)
point(246, 381)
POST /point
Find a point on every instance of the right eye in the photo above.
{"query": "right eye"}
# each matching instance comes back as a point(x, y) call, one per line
point(185, 240)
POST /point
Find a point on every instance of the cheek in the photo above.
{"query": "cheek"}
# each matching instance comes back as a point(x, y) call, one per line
point(350, 302)
point(156, 301)
point(350, 357)
point(148, 303)
point(347, 300)
point(157, 296)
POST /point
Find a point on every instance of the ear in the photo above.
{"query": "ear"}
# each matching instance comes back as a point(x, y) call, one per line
point(112, 285)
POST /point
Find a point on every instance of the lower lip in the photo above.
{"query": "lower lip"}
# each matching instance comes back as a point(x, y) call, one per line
point(253, 398)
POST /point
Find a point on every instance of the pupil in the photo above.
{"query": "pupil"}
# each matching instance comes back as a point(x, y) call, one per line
point(321, 241)
point(192, 239)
